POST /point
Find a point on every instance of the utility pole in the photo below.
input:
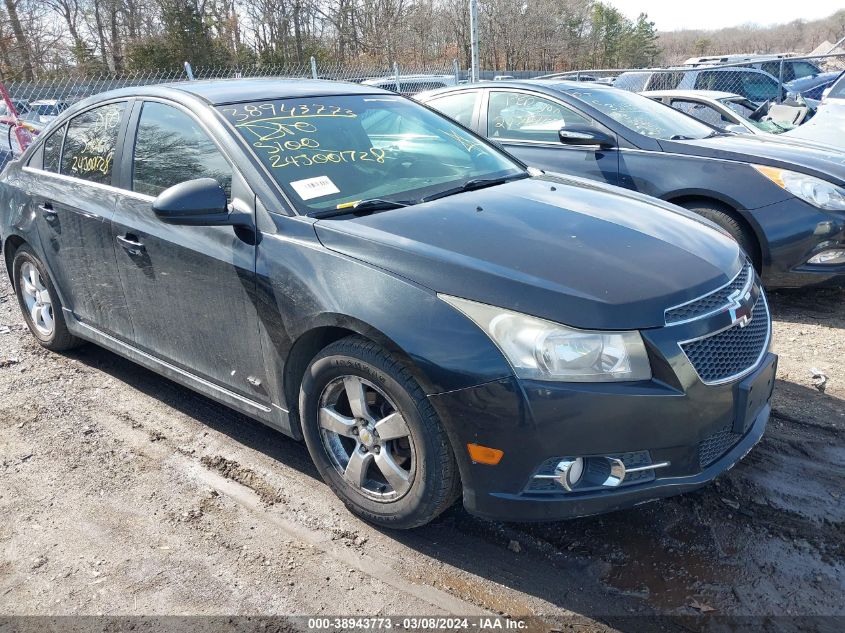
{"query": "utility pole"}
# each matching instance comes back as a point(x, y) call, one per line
point(473, 39)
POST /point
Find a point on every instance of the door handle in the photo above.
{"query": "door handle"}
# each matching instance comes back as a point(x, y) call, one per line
point(47, 212)
point(131, 244)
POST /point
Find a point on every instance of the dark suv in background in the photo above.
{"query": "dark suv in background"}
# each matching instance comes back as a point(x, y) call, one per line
point(753, 84)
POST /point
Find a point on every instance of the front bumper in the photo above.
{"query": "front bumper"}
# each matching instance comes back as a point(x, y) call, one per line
point(792, 232)
point(533, 422)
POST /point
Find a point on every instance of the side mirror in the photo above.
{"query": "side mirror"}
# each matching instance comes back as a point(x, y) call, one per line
point(198, 202)
point(735, 128)
point(584, 135)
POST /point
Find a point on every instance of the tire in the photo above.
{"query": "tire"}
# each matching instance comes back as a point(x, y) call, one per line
point(747, 241)
point(56, 337)
point(428, 482)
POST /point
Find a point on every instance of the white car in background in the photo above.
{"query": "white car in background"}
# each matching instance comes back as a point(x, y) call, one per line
point(730, 112)
point(828, 124)
point(45, 110)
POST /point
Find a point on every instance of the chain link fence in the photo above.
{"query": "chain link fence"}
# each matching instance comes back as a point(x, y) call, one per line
point(756, 79)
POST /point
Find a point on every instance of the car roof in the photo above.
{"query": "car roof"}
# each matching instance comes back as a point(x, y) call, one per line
point(555, 84)
point(549, 85)
point(705, 94)
point(222, 91)
point(698, 69)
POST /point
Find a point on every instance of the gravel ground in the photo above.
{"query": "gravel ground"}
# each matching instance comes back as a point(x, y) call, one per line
point(124, 493)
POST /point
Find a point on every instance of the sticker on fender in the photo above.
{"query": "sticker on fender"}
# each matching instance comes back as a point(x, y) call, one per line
point(314, 187)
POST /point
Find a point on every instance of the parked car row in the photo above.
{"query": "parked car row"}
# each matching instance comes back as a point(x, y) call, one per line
point(549, 304)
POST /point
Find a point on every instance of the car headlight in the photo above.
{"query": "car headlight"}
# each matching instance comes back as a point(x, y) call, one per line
point(818, 192)
point(545, 350)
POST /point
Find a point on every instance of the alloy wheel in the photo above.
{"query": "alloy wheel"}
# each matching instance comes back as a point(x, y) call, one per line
point(37, 299)
point(367, 439)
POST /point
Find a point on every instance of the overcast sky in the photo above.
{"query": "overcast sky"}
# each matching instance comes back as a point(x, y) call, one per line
point(670, 15)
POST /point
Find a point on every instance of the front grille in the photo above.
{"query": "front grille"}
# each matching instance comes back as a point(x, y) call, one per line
point(729, 353)
point(709, 303)
point(717, 444)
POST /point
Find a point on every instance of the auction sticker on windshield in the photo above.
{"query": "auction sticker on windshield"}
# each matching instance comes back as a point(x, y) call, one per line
point(314, 187)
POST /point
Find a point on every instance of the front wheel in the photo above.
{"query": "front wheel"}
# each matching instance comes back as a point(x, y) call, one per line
point(374, 437)
point(721, 216)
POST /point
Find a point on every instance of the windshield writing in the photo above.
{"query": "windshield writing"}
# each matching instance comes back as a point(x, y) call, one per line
point(332, 152)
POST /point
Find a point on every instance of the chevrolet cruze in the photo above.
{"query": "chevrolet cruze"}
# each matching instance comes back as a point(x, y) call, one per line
point(432, 318)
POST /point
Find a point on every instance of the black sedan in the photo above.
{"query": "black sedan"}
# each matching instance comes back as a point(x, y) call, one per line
point(433, 319)
point(783, 201)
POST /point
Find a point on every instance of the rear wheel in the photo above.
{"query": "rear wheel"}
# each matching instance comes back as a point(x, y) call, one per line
point(738, 230)
point(374, 437)
point(39, 302)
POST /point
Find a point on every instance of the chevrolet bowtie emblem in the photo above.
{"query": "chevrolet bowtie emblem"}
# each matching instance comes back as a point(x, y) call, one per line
point(739, 307)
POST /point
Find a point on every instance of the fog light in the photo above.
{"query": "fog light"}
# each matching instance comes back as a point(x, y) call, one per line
point(835, 256)
point(569, 471)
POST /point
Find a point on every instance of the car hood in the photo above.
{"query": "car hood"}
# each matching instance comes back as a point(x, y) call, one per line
point(824, 162)
point(586, 255)
point(825, 127)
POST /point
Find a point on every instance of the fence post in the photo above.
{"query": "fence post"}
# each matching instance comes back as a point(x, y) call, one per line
point(189, 71)
point(780, 81)
point(457, 69)
point(396, 75)
point(313, 68)
point(473, 40)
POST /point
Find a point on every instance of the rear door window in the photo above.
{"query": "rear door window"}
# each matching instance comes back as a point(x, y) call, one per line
point(759, 87)
point(725, 81)
point(459, 106)
point(413, 87)
point(773, 68)
point(633, 81)
point(90, 143)
point(701, 111)
point(664, 81)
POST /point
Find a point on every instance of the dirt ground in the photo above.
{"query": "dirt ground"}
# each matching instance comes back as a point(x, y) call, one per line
point(124, 493)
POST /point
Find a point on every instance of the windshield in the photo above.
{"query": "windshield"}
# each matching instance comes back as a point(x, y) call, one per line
point(332, 152)
point(837, 91)
point(743, 107)
point(643, 115)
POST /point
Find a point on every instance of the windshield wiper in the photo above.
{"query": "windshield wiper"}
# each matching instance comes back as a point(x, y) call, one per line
point(473, 184)
point(363, 206)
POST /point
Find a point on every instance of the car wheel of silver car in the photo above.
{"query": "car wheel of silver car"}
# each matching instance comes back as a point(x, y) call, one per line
point(374, 436)
point(39, 302)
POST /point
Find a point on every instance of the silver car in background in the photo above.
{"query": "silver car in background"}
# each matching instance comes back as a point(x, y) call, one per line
point(731, 112)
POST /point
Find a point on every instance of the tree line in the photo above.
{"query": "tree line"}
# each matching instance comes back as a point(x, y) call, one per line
point(40, 38)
